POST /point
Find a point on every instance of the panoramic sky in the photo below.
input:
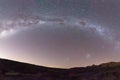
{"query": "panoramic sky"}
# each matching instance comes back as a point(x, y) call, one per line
point(60, 33)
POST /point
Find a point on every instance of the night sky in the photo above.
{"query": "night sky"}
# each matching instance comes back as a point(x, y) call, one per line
point(60, 33)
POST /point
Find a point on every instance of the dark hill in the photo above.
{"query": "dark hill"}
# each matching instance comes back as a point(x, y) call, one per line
point(12, 70)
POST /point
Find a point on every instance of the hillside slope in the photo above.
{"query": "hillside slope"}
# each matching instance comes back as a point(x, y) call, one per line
point(12, 70)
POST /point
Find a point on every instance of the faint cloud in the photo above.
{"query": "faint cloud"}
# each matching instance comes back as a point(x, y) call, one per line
point(88, 56)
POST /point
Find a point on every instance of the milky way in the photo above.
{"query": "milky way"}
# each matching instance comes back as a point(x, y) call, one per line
point(60, 33)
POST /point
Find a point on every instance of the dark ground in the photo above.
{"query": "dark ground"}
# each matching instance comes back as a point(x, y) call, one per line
point(12, 70)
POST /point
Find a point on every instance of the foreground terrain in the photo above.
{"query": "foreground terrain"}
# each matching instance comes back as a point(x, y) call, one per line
point(12, 70)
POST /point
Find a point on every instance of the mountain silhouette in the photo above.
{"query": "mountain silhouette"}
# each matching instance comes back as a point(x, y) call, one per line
point(13, 70)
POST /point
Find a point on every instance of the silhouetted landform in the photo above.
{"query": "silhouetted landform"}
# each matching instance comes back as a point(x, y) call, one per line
point(12, 70)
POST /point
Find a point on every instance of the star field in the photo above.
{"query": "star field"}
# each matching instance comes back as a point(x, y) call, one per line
point(60, 33)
